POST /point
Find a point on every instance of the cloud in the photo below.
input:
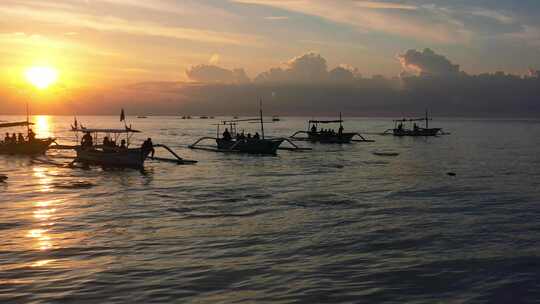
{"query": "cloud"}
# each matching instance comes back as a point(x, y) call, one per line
point(384, 5)
point(429, 23)
point(214, 59)
point(309, 68)
point(427, 63)
point(206, 73)
point(116, 24)
point(276, 18)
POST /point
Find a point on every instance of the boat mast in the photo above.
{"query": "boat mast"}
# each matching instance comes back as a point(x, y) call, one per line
point(27, 119)
point(427, 126)
point(261, 117)
point(340, 120)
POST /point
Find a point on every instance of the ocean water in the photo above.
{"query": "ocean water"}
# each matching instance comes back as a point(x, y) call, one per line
point(337, 224)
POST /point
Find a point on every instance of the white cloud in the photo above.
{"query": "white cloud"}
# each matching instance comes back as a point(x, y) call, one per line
point(214, 74)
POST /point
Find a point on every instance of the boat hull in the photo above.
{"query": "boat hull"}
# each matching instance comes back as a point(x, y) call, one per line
point(419, 132)
point(35, 147)
point(129, 158)
point(253, 146)
point(325, 138)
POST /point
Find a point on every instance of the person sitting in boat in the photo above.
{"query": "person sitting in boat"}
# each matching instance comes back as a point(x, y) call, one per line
point(415, 127)
point(7, 139)
point(313, 129)
point(249, 136)
point(256, 136)
point(31, 135)
point(400, 126)
point(123, 145)
point(20, 138)
point(227, 135)
point(87, 141)
point(148, 147)
point(340, 130)
point(242, 136)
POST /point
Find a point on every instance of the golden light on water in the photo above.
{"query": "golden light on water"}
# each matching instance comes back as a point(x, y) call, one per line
point(43, 126)
point(41, 76)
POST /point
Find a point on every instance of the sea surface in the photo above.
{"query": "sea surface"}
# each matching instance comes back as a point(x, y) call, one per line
point(337, 224)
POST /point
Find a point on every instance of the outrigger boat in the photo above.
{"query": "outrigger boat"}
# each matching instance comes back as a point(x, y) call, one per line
point(234, 141)
point(109, 154)
point(21, 146)
point(314, 134)
point(401, 130)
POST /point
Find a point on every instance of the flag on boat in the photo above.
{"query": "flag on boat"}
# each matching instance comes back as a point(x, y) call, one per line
point(122, 116)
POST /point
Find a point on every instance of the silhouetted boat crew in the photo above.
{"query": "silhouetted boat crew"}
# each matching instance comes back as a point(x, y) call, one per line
point(400, 130)
point(13, 144)
point(327, 135)
point(233, 141)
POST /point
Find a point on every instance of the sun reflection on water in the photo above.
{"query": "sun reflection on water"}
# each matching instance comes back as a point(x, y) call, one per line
point(45, 181)
point(42, 126)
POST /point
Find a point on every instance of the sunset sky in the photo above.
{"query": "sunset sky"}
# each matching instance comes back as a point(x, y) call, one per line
point(104, 43)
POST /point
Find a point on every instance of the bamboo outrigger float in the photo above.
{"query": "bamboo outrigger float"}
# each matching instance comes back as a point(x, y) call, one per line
point(314, 134)
point(401, 130)
point(233, 141)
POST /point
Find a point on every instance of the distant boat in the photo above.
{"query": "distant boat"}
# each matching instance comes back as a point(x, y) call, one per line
point(275, 118)
point(186, 117)
point(328, 136)
point(401, 129)
point(142, 117)
point(203, 117)
point(235, 117)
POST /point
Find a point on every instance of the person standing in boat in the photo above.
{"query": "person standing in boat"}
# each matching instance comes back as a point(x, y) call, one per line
point(340, 130)
point(148, 147)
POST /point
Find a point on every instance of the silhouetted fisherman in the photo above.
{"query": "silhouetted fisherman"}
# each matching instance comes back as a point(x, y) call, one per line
point(20, 138)
point(226, 135)
point(256, 136)
point(87, 141)
point(123, 144)
point(148, 147)
point(340, 130)
point(313, 128)
point(415, 127)
point(7, 139)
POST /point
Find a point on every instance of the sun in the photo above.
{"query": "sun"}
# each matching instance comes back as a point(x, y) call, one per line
point(41, 76)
